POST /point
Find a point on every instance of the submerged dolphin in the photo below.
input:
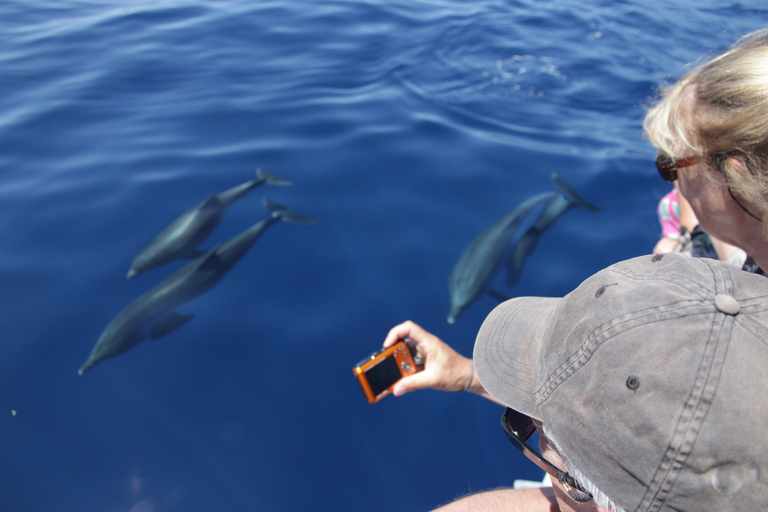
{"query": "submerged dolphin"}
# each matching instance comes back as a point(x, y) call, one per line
point(556, 207)
point(153, 314)
point(182, 236)
point(478, 264)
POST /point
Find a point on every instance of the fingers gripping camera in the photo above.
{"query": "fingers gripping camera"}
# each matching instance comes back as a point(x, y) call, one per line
point(378, 373)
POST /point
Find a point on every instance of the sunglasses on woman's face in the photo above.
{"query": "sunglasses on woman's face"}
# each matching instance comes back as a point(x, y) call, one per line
point(668, 166)
point(519, 428)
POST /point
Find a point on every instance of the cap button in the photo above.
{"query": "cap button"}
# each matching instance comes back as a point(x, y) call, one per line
point(727, 304)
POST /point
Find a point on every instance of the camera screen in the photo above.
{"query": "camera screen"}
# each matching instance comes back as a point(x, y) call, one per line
point(383, 375)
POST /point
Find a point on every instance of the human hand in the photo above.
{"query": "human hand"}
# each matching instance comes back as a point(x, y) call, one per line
point(665, 245)
point(444, 368)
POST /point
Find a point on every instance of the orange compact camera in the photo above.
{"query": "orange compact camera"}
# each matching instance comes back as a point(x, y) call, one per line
point(380, 371)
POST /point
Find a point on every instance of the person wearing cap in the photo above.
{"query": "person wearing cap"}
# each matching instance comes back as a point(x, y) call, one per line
point(646, 384)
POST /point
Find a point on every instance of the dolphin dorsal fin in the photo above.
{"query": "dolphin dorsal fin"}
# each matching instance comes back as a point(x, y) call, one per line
point(212, 201)
point(192, 254)
point(210, 258)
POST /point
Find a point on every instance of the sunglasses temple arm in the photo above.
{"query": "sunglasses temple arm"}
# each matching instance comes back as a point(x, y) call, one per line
point(561, 476)
point(555, 473)
point(543, 464)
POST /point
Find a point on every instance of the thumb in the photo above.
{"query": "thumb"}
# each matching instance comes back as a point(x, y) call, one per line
point(410, 383)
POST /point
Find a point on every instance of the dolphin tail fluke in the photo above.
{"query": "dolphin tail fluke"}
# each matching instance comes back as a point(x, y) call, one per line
point(271, 179)
point(570, 193)
point(279, 211)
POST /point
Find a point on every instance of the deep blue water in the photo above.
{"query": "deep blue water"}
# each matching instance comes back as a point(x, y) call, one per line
point(407, 128)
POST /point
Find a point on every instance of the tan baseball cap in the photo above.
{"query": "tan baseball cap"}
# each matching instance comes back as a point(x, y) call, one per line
point(652, 377)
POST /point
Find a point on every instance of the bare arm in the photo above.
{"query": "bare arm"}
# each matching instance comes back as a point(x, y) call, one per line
point(506, 500)
point(665, 245)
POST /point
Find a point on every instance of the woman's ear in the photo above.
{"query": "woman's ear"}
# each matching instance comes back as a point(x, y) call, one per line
point(733, 164)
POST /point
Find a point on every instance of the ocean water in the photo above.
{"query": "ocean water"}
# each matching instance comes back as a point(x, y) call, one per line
point(407, 127)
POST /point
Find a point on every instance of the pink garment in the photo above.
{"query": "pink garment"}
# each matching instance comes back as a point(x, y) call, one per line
point(669, 215)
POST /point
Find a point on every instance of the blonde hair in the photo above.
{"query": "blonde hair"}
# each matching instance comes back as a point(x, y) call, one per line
point(721, 105)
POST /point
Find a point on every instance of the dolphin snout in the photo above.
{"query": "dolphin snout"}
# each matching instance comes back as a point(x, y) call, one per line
point(130, 274)
point(86, 366)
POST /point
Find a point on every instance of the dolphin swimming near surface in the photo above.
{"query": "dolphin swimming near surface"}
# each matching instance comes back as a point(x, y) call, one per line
point(556, 207)
point(182, 236)
point(478, 264)
point(154, 313)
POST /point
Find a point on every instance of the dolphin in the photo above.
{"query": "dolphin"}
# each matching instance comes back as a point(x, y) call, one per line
point(182, 236)
point(481, 260)
point(556, 207)
point(154, 313)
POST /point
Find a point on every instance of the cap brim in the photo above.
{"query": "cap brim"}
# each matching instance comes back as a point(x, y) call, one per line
point(507, 350)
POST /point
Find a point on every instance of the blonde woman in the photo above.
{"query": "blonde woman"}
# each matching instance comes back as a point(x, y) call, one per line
point(711, 130)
